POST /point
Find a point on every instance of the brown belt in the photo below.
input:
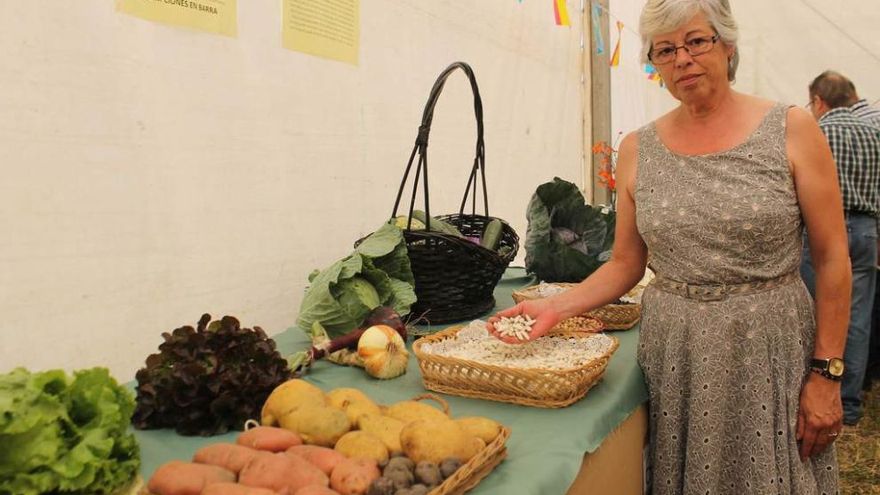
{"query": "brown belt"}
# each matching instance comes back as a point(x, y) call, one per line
point(721, 292)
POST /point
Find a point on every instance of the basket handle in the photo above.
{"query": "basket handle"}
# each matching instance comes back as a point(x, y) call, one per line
point(421, 147)
point(435, 398)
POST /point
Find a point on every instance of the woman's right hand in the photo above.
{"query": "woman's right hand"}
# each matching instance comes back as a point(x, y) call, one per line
point(541, 310)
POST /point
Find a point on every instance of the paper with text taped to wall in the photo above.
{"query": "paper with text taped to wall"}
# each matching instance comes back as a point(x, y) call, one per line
point(213, 16)
point(325, 28)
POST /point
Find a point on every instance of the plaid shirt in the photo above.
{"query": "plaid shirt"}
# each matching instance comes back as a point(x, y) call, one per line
point(855, 145)
point(864, 111)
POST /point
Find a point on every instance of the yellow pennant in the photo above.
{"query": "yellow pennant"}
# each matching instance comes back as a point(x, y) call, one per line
point(560, 11)
point(615, 57)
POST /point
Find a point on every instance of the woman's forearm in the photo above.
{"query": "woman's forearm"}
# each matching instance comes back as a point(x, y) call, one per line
point(833, 292)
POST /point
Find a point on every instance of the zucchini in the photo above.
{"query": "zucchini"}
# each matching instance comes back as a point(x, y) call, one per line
point(492, 234)
point(402, 221)
point(437, 225)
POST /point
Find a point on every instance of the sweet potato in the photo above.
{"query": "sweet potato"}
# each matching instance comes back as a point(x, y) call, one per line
point(324, 458)
point(186, 478)
point(281, 472)
point(235, 489)
point(226, 455)
point(353, 476)
point(269, 438)
point(316, 490)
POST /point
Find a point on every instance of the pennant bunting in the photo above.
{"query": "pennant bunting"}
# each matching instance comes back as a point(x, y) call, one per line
point(653, 74)
point(596, 21)
point(615, 57)
point(560, 11)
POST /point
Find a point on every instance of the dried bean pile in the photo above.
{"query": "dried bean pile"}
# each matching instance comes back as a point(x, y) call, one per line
point(549, 352)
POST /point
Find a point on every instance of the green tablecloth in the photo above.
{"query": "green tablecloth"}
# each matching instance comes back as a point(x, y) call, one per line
point(545, 448)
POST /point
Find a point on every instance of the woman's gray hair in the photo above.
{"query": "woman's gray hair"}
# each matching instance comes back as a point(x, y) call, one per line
point(663, 16)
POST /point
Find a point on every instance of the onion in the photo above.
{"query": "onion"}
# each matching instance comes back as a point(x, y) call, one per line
point(383, 351)
point(300, 362)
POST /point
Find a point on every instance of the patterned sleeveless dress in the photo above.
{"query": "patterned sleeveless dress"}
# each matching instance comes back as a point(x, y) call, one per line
point(725, 369)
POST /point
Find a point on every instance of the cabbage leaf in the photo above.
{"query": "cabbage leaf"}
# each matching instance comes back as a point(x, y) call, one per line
point(377, 273)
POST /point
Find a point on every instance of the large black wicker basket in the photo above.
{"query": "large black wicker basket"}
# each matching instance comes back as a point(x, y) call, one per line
point(454, 277)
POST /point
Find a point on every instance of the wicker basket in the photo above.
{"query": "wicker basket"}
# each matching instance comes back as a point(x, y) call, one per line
point(454, 277)
point(465, 477)
point(614, 316)
point(528, 387)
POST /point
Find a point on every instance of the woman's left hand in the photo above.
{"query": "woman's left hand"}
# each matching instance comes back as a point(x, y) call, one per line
point(820, 415)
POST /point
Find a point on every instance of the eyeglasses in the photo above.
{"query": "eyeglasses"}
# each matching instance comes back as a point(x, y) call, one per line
point(694, 46)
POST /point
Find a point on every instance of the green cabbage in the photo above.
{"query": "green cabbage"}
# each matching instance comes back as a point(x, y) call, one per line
point(62, 435)
point(377, 273)
point(566, 239)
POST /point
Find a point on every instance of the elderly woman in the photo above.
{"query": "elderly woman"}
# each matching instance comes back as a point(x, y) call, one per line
point(742, 369)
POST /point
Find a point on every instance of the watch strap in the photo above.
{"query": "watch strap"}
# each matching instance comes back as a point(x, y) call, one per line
point(826, 374)
point(823, 367)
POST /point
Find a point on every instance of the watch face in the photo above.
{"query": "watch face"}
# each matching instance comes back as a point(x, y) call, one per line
point(835, 366)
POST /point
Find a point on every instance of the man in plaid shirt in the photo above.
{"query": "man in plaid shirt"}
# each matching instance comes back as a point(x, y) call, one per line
point(865, 111)
point(855, 144)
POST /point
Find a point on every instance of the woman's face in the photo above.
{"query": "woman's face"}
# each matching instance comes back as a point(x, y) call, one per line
point(692, 78)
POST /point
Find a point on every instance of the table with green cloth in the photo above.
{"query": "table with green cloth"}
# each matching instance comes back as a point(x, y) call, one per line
point(545, 448)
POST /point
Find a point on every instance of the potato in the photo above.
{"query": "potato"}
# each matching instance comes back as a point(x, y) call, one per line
point(186, 478)
point(428, 474)
point(384, 427)
point(281, 472)
point(353, 402)
point(269, 438)
point(235, 489)
point(317, 425)
point(343, 396)
point(316, 490)
point(289, 396)
point(362, 444)
point(473, 447)
point(478, 426)
point(430, 440)
point(323, 458)
point(353, 476)
point(410, 410)
point(226, 455)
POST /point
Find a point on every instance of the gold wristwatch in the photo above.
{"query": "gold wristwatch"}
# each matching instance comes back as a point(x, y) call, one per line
point(831, 368)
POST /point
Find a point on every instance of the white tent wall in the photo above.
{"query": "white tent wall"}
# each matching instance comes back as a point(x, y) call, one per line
point(152, 173)
point(635, 100)
point(783, 45)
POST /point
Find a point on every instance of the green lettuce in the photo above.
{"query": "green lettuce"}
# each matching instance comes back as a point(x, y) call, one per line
point(65, 435)
point(567, 239)
point(376, 274)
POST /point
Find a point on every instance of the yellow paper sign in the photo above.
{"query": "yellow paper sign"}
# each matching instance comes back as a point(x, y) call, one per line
point(213, 16)
point(326, 28)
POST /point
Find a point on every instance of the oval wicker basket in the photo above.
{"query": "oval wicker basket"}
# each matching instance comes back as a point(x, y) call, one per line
point(527, 387)
point(614, 316)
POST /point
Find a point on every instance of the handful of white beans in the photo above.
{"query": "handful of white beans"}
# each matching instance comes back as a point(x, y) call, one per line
point(518, 327)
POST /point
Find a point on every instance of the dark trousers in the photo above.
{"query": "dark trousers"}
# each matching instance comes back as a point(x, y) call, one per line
point(872, 374)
